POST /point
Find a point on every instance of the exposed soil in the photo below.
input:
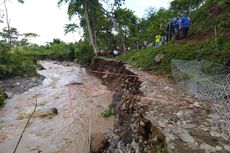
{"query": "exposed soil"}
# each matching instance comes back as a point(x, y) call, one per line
point(196, 38)
point(130, 124)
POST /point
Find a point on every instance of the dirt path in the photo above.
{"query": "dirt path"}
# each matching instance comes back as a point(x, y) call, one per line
point(49, 133)
point(188, 123)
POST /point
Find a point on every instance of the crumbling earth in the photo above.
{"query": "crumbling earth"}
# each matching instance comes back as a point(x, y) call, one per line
point(156, 115)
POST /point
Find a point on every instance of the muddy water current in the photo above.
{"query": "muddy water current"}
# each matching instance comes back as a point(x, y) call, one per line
point(71, 90)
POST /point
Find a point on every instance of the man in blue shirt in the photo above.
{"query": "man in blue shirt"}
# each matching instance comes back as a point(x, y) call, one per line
point(185, 23)
point(177, 26)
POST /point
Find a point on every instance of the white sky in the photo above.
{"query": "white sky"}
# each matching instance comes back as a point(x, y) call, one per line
point(44, 18)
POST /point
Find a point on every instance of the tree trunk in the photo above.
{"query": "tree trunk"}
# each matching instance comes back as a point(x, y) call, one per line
point(91, 40)
point(8, 24)
point(122, 39)
point(137, 44)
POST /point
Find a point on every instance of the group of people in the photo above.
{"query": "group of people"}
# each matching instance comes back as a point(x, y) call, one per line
point(181, 24)
point(178, 29)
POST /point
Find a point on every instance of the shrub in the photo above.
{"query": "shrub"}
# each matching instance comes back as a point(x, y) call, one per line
point(14, 63)
point(144, 59)
point(2, 99)
point(84, 53)
point(108, 112)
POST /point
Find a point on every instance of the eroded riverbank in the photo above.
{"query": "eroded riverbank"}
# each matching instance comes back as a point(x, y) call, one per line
point(65, 87)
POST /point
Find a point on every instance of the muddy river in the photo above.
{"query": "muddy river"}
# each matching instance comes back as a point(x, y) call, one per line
point(70, 89)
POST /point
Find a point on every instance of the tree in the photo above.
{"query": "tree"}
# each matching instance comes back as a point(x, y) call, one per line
point(86, 11)
point(7, 33)
point(185, 6)
point(26, 36)
point(10, 35)
point(70, 28)
point(125, 24)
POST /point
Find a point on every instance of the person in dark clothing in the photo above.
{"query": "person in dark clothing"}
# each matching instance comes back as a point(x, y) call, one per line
point(145, 43)
point(164, 36)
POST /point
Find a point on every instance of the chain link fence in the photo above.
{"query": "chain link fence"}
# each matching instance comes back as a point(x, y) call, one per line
point(207, 81)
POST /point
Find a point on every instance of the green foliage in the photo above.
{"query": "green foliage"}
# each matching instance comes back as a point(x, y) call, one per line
point(144, 59)
point(182, 6)
point(14, 63)
point(162, 148)
point(59, 50)
point(2, 99)
point(212, 13)
point(84, 53)
point(108, 112)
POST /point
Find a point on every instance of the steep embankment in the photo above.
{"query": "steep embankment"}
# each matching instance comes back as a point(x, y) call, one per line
point(132, 131)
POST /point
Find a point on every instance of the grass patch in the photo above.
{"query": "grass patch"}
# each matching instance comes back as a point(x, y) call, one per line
point(162, 148)
point(144, 59)
point(2, 99)
point(108, 112)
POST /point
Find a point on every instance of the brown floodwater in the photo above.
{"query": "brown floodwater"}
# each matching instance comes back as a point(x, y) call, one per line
point(79, 106)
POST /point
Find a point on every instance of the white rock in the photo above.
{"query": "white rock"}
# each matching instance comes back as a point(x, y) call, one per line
point(9, 94)
point(214, 116)
point(197, 105)
point(162, 125)
point(218, 148)
point(186, 137)
point(214, 134)
point(227, 148)
point(180, 114)
point(207, 148)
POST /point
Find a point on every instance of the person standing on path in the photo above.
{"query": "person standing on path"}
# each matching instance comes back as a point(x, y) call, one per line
point(177, 27)
point(185, 22)
point(145, 43)
point(157, 40)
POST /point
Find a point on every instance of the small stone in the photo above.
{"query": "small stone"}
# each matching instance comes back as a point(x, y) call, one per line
point(227, 148)
point(159, 57)
point(214, 116)
point(170, 136)
point(9, 94)
point(162, 125)
point(54, 110)
point(218, 148)
point(187, 126)
point(171, 147)
point(207, 147)
point(142, 123)
point(197, 105)
point(179, 114)
point(214, 134)
point(124, 106)
point(186, 137)
point(134, 144)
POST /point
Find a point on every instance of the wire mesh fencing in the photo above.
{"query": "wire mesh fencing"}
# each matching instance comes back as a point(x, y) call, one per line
point(207, 81)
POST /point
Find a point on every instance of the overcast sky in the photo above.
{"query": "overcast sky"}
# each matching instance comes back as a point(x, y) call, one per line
point(44, 18)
